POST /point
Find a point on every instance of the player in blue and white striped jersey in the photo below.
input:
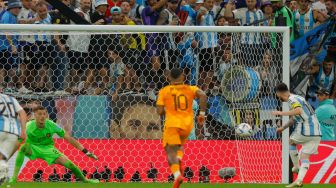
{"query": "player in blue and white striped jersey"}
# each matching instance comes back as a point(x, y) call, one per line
point(12, 126)
point(307, 131)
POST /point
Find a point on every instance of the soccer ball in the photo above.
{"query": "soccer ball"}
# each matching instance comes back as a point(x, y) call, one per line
point(244, 130)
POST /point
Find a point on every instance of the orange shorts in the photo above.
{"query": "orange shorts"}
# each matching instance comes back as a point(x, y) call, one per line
point(175, 136)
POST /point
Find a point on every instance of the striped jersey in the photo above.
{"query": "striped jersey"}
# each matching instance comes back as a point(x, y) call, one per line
point(9, 108)
point(43, 37)
point(324, 81)
point(207, 39)
point(247, 17)
point(306, 123)
point(304, 22)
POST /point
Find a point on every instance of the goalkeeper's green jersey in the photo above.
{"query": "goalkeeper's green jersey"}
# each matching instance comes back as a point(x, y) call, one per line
point(43, 136)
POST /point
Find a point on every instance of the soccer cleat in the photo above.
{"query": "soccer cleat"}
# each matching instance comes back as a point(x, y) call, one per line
point(295, 170)
point(295, 184)
point(178, 182)
point(91, 181)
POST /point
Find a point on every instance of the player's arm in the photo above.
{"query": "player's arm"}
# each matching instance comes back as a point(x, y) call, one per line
point(201, 116)
point(296, 109)
point(160, 103)
point(23, 120)
point(288, 124)
point(79, 146)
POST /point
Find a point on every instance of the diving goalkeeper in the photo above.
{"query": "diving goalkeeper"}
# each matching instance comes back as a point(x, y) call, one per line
point(40, 144)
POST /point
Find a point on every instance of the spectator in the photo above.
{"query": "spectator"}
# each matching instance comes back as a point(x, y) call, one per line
point(9, 46)
point(111, 3)
point(168, 17)
point(118, 67)
point(54, 177)
point(326, 115)
point(257, 130)
point(293, 5)
point(150, 15)
point(59, 67)
point(251, 44)
point(2, 7)
point(42, 58)
point(79, 47)
point(136, 11)
point(38, 176)
point(267, 9)
point(134, 45)
point(331, 6)
point(26, 16)
point(266, 72)
point(225, 58)
point(192, 9)
point(207, 42)
point(125, 8)
point(97, 49)
point(324, 77)
point(305, 18)
point(321, 6)
point(283, 16)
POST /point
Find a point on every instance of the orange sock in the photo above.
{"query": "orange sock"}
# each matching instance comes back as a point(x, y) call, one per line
point(180, 154)
point(175, 168)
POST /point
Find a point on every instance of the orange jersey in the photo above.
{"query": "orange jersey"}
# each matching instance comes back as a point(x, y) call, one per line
point(178, 102)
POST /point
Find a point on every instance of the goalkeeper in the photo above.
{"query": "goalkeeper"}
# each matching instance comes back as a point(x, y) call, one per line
point(40, 144)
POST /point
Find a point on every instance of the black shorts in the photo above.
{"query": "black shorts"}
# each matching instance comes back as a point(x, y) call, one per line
point(8, 60)
point(78, 60)
point(206, 59)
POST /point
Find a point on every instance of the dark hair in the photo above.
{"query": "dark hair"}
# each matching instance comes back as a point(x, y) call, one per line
point(329, 58)
point(282, 87)
point(175, 73)
point(39, 108)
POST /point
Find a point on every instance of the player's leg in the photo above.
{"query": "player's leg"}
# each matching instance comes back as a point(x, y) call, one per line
point(172, 144)
point(64, 161)
point(294, 155)
point(8, 145)
point(25, 150)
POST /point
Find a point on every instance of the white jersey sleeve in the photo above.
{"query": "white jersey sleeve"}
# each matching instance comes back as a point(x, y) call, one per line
point(9, 108)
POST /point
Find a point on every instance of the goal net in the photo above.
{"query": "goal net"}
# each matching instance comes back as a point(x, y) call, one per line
point(100, 84)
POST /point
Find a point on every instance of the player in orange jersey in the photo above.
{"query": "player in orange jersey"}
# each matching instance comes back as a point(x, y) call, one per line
point(175, 102)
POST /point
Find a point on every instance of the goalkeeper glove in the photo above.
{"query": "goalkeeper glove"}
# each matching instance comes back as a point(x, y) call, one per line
point(89, 154)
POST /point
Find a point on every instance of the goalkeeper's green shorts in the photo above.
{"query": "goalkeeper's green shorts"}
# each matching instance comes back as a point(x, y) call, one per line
point(46, 152)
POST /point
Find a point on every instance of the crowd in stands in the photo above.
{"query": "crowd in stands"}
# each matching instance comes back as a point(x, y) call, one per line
point(102, 64)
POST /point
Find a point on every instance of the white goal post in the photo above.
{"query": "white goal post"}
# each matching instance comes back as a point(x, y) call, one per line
point(283, 32)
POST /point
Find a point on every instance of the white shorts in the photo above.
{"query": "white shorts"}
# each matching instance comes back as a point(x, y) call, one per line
point(8, 144)
point(309, 143)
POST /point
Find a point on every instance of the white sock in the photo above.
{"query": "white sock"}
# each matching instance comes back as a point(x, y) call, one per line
point(294, 155)
point(177, 174)
point(303, 169)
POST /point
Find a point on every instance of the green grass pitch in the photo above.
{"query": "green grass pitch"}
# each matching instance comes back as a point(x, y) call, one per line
point(152, 185)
